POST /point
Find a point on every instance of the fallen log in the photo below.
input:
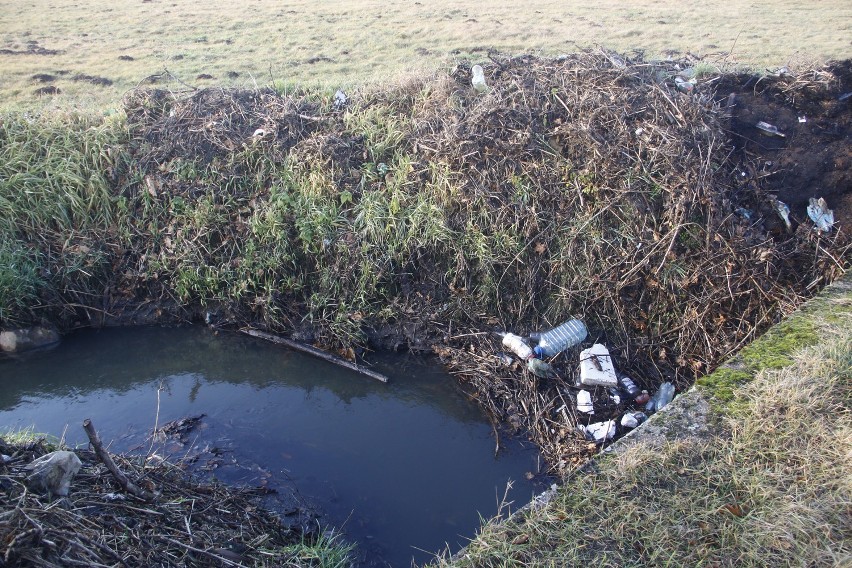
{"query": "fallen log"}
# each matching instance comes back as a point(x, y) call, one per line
point(311, 350)
point(119, 476)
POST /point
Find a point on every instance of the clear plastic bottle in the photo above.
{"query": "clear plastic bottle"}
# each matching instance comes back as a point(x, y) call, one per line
point(517, 345)
point(661, 398)
point(559, 338)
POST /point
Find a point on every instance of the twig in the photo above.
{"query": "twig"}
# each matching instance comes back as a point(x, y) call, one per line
point(104, 456)
point(315, 352)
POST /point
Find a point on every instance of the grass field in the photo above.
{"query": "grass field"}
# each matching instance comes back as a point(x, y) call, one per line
point(69, 44)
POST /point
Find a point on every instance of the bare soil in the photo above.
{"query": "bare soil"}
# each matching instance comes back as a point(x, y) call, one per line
point(814, 157)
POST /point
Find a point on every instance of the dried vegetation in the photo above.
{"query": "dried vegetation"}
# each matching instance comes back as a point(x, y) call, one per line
point(426, 215)
point(191, 523)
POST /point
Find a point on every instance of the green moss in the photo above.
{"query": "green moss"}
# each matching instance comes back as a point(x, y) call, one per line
point(775, 349)
point(723, 381)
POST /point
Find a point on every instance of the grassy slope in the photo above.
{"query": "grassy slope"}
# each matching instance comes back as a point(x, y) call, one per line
point(770, 488)
point(334, 44)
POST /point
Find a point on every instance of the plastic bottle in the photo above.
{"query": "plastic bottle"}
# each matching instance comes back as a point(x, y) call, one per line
point(628, 386)
point(517, 345)
point(559, 338)
point(661, 398)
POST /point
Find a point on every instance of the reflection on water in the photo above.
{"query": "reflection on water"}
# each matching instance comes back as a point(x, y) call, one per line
point(405, 467)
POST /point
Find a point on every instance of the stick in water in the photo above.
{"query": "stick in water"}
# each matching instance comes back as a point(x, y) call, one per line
point(315, 352)
point(104, 456)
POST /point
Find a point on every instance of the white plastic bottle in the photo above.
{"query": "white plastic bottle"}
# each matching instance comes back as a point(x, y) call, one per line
point(559, 338)
point(518, 346)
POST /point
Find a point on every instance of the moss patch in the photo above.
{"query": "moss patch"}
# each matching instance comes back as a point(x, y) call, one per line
point(721, 383)
point(775, 349)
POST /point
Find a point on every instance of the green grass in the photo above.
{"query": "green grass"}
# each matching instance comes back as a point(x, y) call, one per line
point(771, 488)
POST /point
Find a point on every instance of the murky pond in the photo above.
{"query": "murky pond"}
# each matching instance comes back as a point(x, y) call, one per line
point(404, 468)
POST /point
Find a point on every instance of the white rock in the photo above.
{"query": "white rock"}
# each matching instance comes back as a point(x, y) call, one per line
point(53, 472)
point(596, 367)
point(17, 340)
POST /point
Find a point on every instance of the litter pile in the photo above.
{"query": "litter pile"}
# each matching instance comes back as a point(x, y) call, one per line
point(64, 508)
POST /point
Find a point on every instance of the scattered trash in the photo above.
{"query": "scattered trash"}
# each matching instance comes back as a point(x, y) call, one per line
point(600, 431)
point(633, 419)
point(505, 358)
point(53, 472)
point(779, 72)
point(744, 213)
point(584, 402)
point(259, 133)
point(540, 368)
point(628, 386)
point(566, 335)
point(614, 396)
point(643, 398)
point(478, 80)
point(803, 119)
point(5, 459)
point(661, 398)
point(844, 96)
point(782, 210)
point(340, 99)
point(820, 214)
point(517, 345)
point(769, 129)
point(596, 367)
point(684, 85)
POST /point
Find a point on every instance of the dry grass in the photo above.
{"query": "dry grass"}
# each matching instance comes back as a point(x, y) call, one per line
point(772, 490)
point(333, 44)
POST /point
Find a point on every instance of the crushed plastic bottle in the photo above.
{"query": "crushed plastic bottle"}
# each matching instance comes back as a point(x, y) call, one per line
point(517, 345)
point(661, 398)
point(552, 342)
point(540, 368)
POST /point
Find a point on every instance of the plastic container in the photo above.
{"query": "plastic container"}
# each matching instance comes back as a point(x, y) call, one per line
point(628, 386)
point(584, 402)
point(540, 369)
point(517, 345)
point(559, 338)
point(661, 398)
point(478, 79)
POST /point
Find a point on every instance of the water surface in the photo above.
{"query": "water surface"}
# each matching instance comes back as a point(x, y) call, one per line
point(401, 468)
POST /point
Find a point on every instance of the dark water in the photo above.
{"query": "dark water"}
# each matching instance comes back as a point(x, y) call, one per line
point(401, 468)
